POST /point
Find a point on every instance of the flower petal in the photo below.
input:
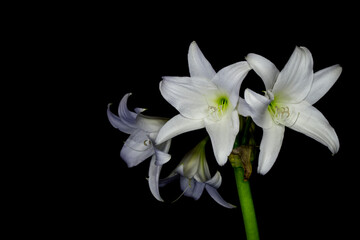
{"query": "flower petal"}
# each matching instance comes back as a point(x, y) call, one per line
point(222, 134)
point(118, 123)
point(176, 126)
point(323, 81)
point(187, 95)
point(258, 108)
point(312, 123)
point(199, 66)
point(215, 181)
point(124, 113)
point(264, 68)
point(270, 147)
point(150, 124)
point(191, 187)
point(230, 79)
point(294, 81)
point(154, 173)
point(137, 148)
point(216, 196)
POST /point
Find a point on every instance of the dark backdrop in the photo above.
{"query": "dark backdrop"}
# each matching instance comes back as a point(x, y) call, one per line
point(110, 51)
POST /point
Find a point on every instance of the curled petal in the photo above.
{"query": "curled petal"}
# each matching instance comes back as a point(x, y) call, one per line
point(217, 197)
point(154, 173)
point(266, 70)
point(215, 181)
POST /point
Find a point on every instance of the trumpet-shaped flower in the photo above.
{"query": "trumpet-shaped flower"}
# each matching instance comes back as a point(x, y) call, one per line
point(194, 174)
point(140, 144)
point(205, 99)
point(288, 101)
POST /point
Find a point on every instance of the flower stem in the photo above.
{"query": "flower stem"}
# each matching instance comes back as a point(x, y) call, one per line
point(240, 159)
point(247, 205)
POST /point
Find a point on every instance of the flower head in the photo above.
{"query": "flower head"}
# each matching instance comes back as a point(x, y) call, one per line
point(205, 100)
point(141, 143)
point(195, 176)
point(287, 102)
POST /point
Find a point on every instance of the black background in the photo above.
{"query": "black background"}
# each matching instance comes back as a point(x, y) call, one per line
point(100, 53)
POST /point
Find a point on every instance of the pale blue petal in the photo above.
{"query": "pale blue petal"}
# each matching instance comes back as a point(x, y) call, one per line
point(216, 196)
point(154, 173)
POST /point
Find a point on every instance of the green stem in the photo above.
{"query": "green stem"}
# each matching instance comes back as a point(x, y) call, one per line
point(247, 205)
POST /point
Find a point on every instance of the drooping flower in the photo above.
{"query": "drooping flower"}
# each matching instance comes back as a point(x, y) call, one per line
point(140, 144)
point(205, 99)
point(288, 101)
point(194, 174)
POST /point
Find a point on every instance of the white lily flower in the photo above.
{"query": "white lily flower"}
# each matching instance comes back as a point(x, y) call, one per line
point(195, 176)
point(288, 101)
point(205, 99)
point(140, 144)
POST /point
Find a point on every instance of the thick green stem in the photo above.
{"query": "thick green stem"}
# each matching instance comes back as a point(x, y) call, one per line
point(247, 205)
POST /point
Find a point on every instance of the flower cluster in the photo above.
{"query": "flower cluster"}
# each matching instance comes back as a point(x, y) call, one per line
point(210, 100)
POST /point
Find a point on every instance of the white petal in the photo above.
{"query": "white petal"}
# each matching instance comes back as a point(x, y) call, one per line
point(216, 196)
point(125, 115)
point(154, 173)
point(222, 134)
point(215, 181)
point(323, 81)
point(270, 147)
point(258, 108)
point(199, 66)
point(187, 95)
point(150, 124)
point(137, 148)
point(244, 108)
point(230, 79)
point(264, 68)
point(161, 157)
point(294, 81)
point(312, 123)
point(176, 126)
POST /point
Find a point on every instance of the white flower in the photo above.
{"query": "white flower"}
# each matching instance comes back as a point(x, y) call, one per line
point(140, 144)
point(194, 174)
point(206, 99)
point(288, 101)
